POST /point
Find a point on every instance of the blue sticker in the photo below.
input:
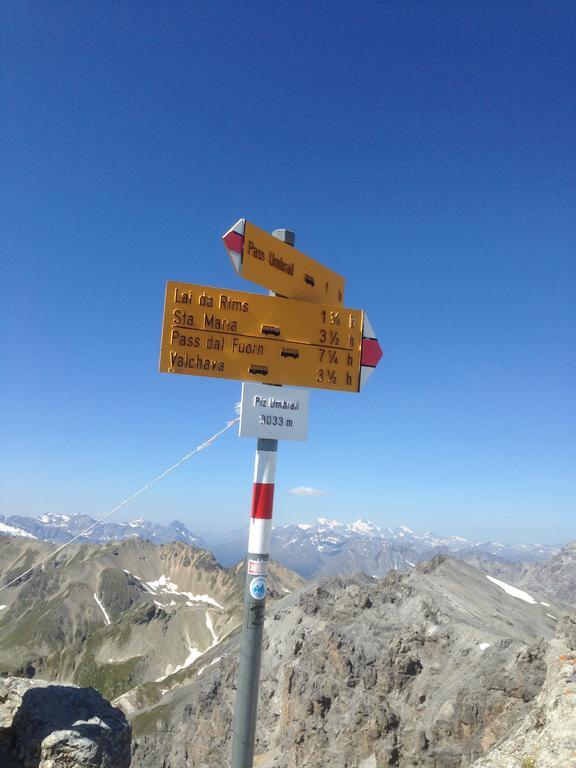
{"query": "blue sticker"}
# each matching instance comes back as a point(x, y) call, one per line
point(258, 588)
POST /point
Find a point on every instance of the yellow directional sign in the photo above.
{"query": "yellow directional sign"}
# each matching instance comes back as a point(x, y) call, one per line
point(234, 335)
point(262, 258)
point(254, 314)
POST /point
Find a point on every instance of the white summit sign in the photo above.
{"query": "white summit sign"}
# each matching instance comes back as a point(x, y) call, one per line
point(276, 413)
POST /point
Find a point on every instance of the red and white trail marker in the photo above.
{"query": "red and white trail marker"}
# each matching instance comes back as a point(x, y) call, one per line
point(234, 242)
point(371, 352)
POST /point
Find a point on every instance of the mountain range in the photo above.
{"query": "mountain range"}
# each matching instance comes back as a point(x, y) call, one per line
point(430, 667)
point(323, 548)
point(115, 615)
point(61, 528)
point(329, 547)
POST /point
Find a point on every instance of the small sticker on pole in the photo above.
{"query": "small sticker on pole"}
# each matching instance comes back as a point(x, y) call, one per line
point(258, 567)
point(258, 588)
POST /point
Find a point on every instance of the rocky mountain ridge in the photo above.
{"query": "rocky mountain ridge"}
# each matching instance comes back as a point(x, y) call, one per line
point(429, 668)
point(116, 615)
point(555, 578)
point(545, 737)
point(328, 547)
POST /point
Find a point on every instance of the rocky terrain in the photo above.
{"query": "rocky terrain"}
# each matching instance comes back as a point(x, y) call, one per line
point(546, 736)
point(430, 668)
point(434, 666)
point(116, 615)
point(56, 726)
point(555, 578)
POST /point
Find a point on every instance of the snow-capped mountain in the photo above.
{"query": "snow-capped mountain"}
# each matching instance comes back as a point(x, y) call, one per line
point(322, 548)
point(329, 547)
point(10, 530)
point(62, 528)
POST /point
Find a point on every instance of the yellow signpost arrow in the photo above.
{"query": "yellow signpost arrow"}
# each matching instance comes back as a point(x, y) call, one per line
point(227, 334)
point(262, 258)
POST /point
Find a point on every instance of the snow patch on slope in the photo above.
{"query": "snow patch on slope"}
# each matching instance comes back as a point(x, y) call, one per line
point(194, 653)
point(102, 609)
point(163, 584)
point(211, 629)
point(513, 591)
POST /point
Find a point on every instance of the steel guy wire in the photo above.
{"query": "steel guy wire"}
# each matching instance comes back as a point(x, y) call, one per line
point(126, 501)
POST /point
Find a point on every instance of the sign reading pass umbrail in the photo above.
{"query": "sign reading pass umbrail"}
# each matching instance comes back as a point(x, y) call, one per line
point(276, 413)
point(262, 258)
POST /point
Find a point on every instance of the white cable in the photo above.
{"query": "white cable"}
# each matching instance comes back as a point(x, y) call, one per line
point(123, 503)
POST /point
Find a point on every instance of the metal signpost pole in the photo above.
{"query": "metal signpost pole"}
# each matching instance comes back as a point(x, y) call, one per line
point(254, 605)
point(266, 343)
point(255, 593)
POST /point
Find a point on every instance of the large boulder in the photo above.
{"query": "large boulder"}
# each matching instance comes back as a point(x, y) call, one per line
point(60, 726)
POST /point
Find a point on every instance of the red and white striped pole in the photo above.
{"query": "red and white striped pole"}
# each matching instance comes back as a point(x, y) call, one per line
point(262, 498)
point(254, 604)
point(255, 593)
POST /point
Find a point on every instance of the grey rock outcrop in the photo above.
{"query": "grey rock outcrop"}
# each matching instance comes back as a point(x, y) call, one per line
point(546, 737)
point(55, 726)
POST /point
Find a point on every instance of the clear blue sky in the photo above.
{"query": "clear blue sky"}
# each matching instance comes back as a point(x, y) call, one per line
point(425, 150)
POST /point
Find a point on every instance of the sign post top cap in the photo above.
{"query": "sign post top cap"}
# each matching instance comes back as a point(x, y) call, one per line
point(286, 235)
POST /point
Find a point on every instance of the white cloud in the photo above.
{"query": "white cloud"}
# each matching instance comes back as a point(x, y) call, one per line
point(305, 490)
